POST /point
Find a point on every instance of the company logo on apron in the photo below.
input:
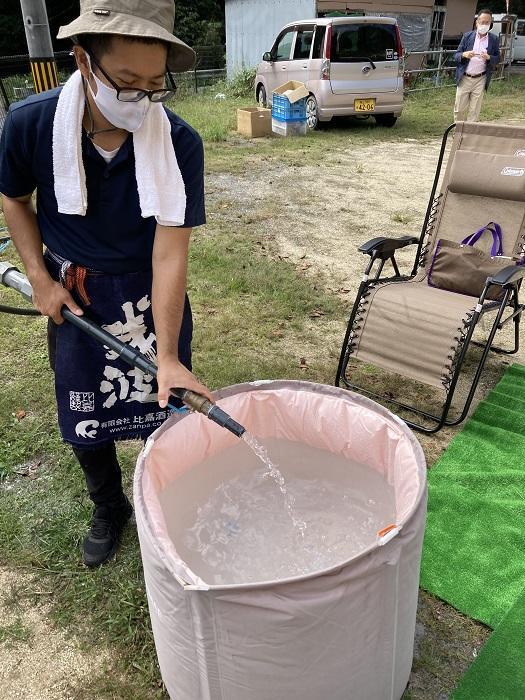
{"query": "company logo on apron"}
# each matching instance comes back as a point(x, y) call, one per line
point(513, 172)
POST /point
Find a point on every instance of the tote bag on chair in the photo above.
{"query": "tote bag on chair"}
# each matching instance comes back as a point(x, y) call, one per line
point(462, 268)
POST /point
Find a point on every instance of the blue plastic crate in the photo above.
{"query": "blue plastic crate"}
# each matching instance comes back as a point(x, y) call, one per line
point(284, 111)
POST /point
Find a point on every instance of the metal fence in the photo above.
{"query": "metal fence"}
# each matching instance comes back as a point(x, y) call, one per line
point(16, 81)
point(436, 70)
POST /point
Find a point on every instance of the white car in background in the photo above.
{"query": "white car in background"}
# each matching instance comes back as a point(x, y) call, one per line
point(350, 66)
point(518, 47)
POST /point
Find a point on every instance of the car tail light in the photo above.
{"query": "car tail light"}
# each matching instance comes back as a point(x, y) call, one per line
point(399, 49)
point(328, 43)
point(325, 65)
point(399, 45)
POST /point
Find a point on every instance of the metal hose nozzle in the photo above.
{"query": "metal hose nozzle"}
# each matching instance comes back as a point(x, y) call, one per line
point(201, 404)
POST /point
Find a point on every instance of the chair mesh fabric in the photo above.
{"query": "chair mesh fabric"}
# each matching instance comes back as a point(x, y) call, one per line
point(429, 321)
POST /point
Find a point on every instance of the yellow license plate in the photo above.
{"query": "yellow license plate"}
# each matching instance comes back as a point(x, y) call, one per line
point(365, 105)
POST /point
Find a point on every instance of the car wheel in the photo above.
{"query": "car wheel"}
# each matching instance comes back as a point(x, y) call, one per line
point(312, 113)
point(261, 96)
point(385, 119)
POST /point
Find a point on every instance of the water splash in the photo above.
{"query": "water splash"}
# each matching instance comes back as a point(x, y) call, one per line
point(274, 473)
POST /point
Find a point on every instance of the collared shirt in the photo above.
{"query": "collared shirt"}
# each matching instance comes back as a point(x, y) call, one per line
point(477, 64)
point(112, 237)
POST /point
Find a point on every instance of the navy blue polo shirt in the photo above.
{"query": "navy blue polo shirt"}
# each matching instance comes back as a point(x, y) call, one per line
point(112, 237)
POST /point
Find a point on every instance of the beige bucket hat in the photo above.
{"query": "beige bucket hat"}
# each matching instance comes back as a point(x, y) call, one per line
point(141, 18)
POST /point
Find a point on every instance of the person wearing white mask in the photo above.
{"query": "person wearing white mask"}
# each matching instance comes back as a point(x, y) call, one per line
point(476, 57)
point(119, 181)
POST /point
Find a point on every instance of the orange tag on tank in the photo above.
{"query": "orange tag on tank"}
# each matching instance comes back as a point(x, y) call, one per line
point(386, 530)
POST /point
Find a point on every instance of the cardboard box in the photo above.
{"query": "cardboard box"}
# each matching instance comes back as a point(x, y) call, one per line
point(293, 90)
point(254, 121)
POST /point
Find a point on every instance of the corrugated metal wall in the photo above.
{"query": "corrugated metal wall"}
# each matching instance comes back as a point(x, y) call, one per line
point(251, 27)
point(460, 17)
point(413, 7)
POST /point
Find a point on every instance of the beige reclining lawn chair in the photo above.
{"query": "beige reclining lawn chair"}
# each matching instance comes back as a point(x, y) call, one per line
point(404, 325)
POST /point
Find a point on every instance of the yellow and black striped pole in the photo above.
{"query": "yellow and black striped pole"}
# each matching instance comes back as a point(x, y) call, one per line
point(38, 36)
point(44, 72)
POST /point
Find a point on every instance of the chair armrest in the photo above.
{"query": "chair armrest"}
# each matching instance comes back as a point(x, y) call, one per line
point(386, 246)
point(507, 275)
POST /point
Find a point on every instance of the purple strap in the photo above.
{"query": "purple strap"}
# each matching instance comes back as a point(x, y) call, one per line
point(497, 238)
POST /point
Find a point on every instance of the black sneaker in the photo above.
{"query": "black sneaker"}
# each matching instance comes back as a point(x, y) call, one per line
point(103, 537)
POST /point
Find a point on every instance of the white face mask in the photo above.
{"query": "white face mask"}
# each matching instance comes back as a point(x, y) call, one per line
point(483, 29)
point(124, 115)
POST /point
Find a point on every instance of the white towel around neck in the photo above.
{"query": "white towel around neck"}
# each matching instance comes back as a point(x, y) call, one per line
point(159, 180)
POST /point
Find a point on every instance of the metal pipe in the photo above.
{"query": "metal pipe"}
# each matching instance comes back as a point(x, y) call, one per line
point(38, 37)
point(36, 27)
point(13, 278)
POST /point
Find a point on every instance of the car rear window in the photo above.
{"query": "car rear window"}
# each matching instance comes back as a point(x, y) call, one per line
point(354, 42)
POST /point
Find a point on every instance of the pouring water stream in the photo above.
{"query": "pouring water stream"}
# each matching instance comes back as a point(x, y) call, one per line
point(274, 473)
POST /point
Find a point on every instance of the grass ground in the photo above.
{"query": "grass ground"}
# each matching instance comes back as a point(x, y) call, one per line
point(256, 316)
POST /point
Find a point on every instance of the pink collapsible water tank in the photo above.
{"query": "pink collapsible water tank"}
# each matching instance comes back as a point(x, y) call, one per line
point(343, 632)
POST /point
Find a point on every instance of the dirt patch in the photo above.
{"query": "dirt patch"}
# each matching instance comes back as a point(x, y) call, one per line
point(317, 215)
point(37, 660)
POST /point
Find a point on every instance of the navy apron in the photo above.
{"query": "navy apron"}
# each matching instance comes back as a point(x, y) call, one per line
point(99, 397)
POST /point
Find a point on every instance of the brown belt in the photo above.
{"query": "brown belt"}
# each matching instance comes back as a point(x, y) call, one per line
point(478, 75)
point(73, 276)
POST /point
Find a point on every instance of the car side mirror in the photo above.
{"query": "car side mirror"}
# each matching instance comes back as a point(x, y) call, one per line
point(267, 56)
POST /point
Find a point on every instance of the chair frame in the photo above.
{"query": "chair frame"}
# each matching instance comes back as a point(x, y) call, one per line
point(383, 250)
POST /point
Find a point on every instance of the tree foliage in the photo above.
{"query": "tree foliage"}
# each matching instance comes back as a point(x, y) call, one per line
point(200, 22)
point(516, 7)
point(195, 23)
point(12, 35)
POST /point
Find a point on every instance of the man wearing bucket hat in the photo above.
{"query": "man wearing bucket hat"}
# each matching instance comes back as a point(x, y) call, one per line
point(119, 183)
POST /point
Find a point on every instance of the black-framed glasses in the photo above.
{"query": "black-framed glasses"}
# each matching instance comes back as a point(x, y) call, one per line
point(125, 94)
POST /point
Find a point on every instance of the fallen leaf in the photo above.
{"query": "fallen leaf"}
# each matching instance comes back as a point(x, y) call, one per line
point(303, 364)
point(277, 333)
point(316, 313)
point(20, 414)
point(29, 468)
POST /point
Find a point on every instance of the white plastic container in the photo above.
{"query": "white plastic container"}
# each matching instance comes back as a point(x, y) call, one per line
point(342, 633)
point(294, 128)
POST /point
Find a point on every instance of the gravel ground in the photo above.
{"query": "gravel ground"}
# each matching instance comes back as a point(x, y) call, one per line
point(38, 661)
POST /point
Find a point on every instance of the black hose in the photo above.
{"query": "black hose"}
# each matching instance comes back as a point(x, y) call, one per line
point(19, 312)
